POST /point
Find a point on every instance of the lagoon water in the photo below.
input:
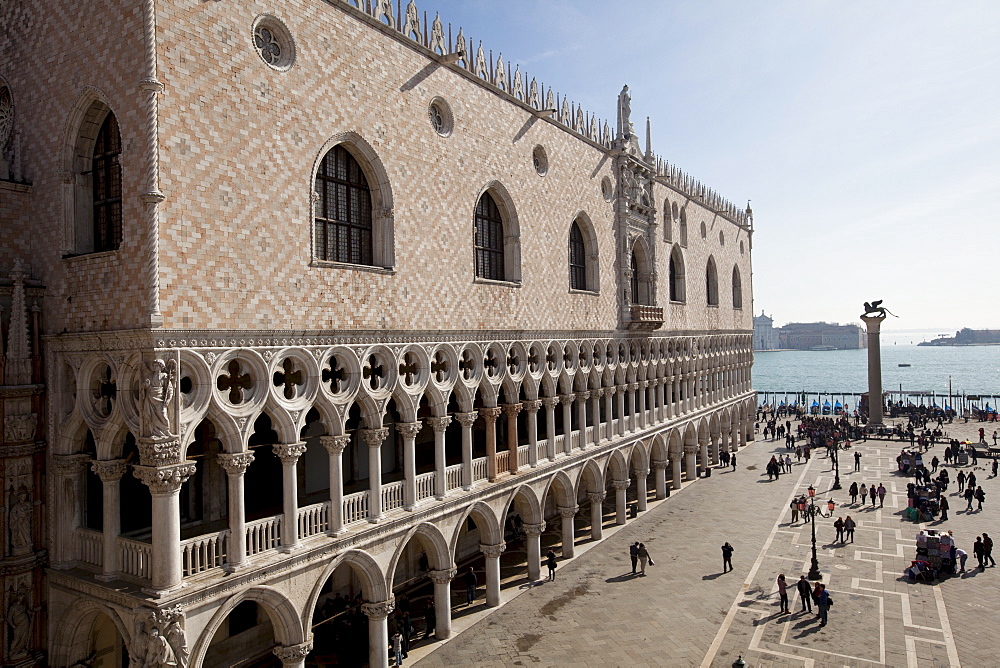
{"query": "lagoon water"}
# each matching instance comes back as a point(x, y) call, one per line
point(973, 370)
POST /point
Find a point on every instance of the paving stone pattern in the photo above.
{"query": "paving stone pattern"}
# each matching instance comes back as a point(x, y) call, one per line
point(687, 612)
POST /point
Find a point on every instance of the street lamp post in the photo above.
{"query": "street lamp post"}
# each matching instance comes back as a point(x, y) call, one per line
point(836, 465)
point(814, 573)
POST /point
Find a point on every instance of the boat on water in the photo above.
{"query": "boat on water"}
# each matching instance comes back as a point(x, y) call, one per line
point(903, 365)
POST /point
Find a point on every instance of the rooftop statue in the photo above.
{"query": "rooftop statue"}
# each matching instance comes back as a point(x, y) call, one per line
point(876, 310)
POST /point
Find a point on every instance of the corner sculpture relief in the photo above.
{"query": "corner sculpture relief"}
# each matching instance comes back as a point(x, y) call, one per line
point(18, 622)
point(19, 520)
point(159, 640)
point(155, 395)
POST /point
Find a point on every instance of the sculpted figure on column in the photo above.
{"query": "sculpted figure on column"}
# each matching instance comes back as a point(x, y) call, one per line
point(19, 520)
point(155, 395)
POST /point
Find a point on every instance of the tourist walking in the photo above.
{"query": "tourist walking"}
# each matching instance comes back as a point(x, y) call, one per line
point(979, 550)
point(823, 602)
point(471, 582)
point(960, 479)
point(727, 557)
point(969, 496)
point(881, 495)
point(788, 463)
point(857, 460)
point(805, 594)
point(944, 508)
point(783, 594)
point(644, 559)
point(872, 493)
point(794, 505)
point(406, 630)
point(633, 554)
point(995, 465)
point(430, 619)
point(397, 647)
point(839, 526)
point(732, 462)
point(934, 464)
point(864, 493)
point(550, 561)
point(980, 496)
point(849, 526)
point(988, 551)
point(970, 480)
point(853, 491)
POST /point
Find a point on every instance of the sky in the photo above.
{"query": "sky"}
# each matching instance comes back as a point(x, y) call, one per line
point(866, 134)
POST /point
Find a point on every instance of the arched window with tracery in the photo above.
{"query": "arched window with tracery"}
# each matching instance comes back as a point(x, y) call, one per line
point(641, 288)
point(489, 241)
point(343, 210)
point(737, 288)
point(635, 279)
point(106, 179)
point(577, 259)
point(711, 283)
point(684, 228)
point(676, 276)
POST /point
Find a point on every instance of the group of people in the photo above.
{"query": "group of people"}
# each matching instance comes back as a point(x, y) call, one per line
point(778, 465)
point(809, 595)
point(640, 558)
point(866, 492)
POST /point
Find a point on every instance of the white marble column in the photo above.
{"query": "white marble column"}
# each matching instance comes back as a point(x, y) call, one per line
point(533, 538)
point(409, 431)
point(609, 397)
point(440, 427)
point(235, 465)
point(293, 656)
point(67, 474)
point(164, 484)
point(567, 405)
point(691, 461)
point(714, 450)
point(621, 501)
point(675, 465)
point(633, 403)
point(373, 439)
point(581, 418)
point(734, 438)
point(596, 514)
point(875, 408)
point(335, 450)
point(490, 415)
point(110, 472)
point(289, 454)
point(378, 631)
point(660, 472)
point(620, 396)
point(595, 408)
point(568, 531)
point(676, 407)
point(531, 406)
point(511, 411)
point(467, 420)
point(640, 395)
point(442, 601)
point(492, 553)
point(640, 485)
point(550, 404)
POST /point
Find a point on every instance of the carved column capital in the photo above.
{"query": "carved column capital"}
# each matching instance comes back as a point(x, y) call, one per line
point(490, 414)
point(335, 445)
point(567, 399)
point(159, 451)
point(289, 453)
point(569, 511)
point(108, 470)
point(443, 576)
point(634, 387)
point(235, 463)
point(532, 405)
point(493, 551)
point(164, 479)
point(660, 464)
point(550, 402)
point(597, 393)
point(409, 429)
point(69, 464)
point(533, 529)
point(511, 410)
point(621, 388)
point(373, 437)
point(293, 654)
point(642, 473)
point(467, 419)
point(690, 449)
point(582, 396)
point(439, 424)
point(621, 485)
point(379, 611)
point(596, 497)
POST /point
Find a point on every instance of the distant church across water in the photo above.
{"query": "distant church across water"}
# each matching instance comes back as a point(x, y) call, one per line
point(805, 335)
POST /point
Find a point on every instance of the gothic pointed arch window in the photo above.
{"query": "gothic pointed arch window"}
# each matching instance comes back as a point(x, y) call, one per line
point(489, 239)
point(577, 258)
point(343, 214)
point(683, 231)
point(641, 290)
point(676, 277)
point(737, 288)
point(711, 283)
point(106, 175)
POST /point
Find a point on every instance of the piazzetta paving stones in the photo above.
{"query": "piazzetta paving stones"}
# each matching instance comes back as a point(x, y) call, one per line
point(686, 612)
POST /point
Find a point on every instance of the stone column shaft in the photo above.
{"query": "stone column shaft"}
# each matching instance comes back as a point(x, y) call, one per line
point(596, 515)
point(511, 411)
point(640, 482)
point(335, 450)
point(532, 406)
point(493, 553)
point(567, 405)
point(874, 326)
point(373, 439)
point(581, 418)
point(609, 397)
point(621, 501)
point(550, 426)
point(235, 465)
point(490, 415)
point(691, 461)
point(466, 420)
point(289, 454)
point(378, 632)
point(164, 484)
point(409, 430)
point(110, 472)
point(568, 531)
point(440, 427)
point(675, 462)
point(660, 470)
point(442, 601)
point(533, 538)
point(620, 396)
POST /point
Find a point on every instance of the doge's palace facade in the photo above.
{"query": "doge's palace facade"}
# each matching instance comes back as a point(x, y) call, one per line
point(309, 306)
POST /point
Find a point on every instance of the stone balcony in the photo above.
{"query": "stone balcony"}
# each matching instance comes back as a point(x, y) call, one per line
point(645, 317)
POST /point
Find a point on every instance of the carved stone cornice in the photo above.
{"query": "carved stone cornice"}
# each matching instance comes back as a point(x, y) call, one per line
point(443, 576)
point(439, 424)
point(109, 470)
point(409, 429)
point(164, 479)
point(235, 463)
point(490, 414)
point(373, 438)
point(293, 654)
point(68, 464)
point(660, 464)
point(335, 444)
point(21, 449)
point(378, 611)
point(467, 419)
point(20, 391)
point(159, 451)
point(550, 402)
point(493, 551)
point(288, 453)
